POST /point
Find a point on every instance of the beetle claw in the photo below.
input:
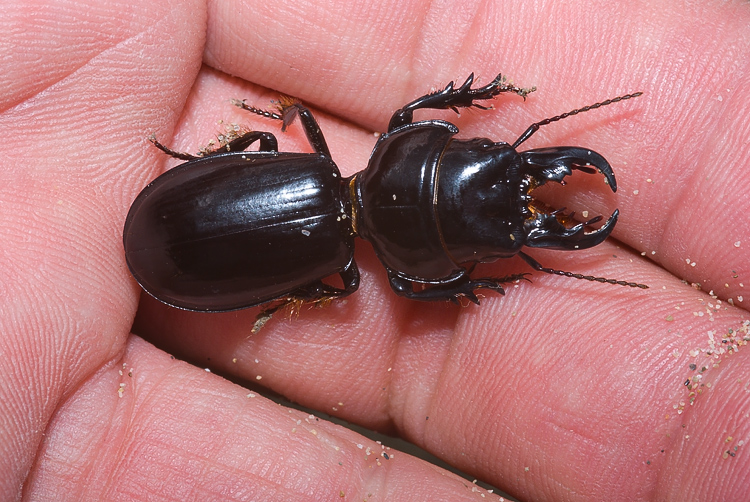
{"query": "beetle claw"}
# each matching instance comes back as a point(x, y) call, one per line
point(554, 164)
point(546, 231)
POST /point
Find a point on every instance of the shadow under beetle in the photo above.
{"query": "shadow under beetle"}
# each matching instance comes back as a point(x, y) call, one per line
point(231, 229)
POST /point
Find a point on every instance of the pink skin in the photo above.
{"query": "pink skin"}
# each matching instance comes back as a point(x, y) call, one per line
point(561, 390)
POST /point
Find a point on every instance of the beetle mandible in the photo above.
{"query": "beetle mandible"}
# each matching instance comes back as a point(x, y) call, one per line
point(231, 228)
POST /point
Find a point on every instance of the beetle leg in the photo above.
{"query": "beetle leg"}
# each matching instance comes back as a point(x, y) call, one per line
point(350, 277)
point(267, 140)
point(461, 286)
point(290, 110)
point(267, 313)
point(453, 98)
point(317, 292)
point(170, 152)
point(312, 129)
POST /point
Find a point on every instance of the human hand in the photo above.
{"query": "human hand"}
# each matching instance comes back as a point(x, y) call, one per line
point(560, 390)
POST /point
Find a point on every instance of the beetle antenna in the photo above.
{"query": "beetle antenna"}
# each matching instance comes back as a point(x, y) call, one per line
point(535, 126)
point(538, 266)
point(258, 111)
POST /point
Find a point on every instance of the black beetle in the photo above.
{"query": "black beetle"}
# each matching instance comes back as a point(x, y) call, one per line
point(231, 229)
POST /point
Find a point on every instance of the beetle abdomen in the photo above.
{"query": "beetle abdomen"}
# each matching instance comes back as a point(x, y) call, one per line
point(239, 229)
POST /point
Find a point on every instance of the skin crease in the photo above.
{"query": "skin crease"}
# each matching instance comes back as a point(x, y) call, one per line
point(562, 390)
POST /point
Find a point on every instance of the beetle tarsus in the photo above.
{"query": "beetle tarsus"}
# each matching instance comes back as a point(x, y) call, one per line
point(291, 304)
point(170, 152)
point(265, 315)
point(258, 111)
point(267, 140)
point(497, 86)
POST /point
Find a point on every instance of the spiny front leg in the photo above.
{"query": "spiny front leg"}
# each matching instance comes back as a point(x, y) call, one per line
point(453, 98)
point(461, 286)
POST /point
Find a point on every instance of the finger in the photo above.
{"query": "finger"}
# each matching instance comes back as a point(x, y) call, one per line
point(149, 424)
point(81, 69)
